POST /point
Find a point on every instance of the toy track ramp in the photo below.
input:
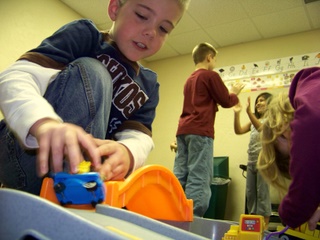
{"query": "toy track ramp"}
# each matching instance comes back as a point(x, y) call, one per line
point(152, 191)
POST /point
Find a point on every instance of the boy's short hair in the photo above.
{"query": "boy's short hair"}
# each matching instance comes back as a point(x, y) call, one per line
point(201, 51)
point(184, 4)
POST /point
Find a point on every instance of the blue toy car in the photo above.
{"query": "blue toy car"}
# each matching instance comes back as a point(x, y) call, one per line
point(82, 188)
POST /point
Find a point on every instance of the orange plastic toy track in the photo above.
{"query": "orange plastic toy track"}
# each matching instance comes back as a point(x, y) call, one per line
point(152, 191)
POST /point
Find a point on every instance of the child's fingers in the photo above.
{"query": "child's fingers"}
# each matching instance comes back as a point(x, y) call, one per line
point(312, 223)
point(43, 157)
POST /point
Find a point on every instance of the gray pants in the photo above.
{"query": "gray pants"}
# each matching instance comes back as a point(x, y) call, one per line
point(257, 192)
point(193, 167)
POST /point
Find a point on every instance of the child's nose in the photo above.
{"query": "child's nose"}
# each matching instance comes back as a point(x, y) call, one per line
point(149, 32)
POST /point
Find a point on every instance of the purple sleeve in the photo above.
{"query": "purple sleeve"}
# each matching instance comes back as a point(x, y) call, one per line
point(303, 196)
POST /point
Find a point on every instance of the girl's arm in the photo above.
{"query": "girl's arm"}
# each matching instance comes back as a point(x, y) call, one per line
point(253, 119)
point(238, 129)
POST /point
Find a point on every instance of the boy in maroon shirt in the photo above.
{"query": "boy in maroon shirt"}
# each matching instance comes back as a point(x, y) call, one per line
point(203, 91)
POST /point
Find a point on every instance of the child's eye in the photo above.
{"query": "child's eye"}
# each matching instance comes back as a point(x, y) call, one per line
point(162, 29)
point(141, 16)
point(282, 137)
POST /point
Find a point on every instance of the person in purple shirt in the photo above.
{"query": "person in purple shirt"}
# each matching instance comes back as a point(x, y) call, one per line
point(291, 150)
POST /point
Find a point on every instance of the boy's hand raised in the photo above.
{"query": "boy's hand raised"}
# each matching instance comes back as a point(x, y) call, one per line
point(236, 88)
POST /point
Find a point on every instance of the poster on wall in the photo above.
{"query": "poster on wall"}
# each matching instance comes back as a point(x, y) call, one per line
point(268, 74)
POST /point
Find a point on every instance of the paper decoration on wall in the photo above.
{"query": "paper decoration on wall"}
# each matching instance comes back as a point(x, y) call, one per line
point(275, 73)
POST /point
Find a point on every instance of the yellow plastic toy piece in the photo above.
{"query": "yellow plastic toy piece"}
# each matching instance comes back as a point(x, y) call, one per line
point(84, 167)
point(251, 227)
point(232, 234)
point(152, 191)
point(302, 232)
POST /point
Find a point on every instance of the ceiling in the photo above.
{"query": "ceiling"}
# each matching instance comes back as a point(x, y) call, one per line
point(221, 22)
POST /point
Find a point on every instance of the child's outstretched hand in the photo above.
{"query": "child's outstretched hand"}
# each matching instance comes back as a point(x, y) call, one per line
point(237, 108)
point(62, 141)
point(248, 109)
point(236, 88)
point(118, 160)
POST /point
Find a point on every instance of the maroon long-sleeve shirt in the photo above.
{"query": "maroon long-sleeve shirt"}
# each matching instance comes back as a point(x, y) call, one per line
point(203, 91)
point(303, 196)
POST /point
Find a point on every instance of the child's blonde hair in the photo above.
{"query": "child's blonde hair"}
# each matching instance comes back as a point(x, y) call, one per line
point(271, 164)
point(184, 4)
point(200, 52)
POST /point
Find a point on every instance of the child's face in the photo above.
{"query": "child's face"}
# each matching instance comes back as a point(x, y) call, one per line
point(141, 27)
point(261, 105)
point(212, 62)
point(283, 142)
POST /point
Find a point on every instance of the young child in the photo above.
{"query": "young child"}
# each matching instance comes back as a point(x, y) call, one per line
point(82, 94)
point(203, 91)
point(273, 161)
point(257, 190)
point(290, 149)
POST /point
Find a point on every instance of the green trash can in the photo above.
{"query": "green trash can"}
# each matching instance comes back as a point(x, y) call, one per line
point(219, 188)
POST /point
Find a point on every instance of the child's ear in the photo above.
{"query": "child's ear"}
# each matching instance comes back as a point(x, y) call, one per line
point(113, 8)
point(208, 57)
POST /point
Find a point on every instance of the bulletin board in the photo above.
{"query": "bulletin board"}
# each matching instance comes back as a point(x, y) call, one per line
point(268, 74)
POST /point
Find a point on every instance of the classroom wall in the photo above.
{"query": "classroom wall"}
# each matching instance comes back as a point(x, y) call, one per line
point(25, 23)
point(172, 74)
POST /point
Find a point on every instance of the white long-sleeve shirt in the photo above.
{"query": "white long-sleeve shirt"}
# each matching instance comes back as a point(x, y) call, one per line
point(22, 86)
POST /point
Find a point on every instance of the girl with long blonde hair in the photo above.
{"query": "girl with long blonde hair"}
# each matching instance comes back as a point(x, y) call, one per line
point(273, 162)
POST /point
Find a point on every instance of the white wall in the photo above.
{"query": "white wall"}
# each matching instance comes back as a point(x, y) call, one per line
point(24, 24)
